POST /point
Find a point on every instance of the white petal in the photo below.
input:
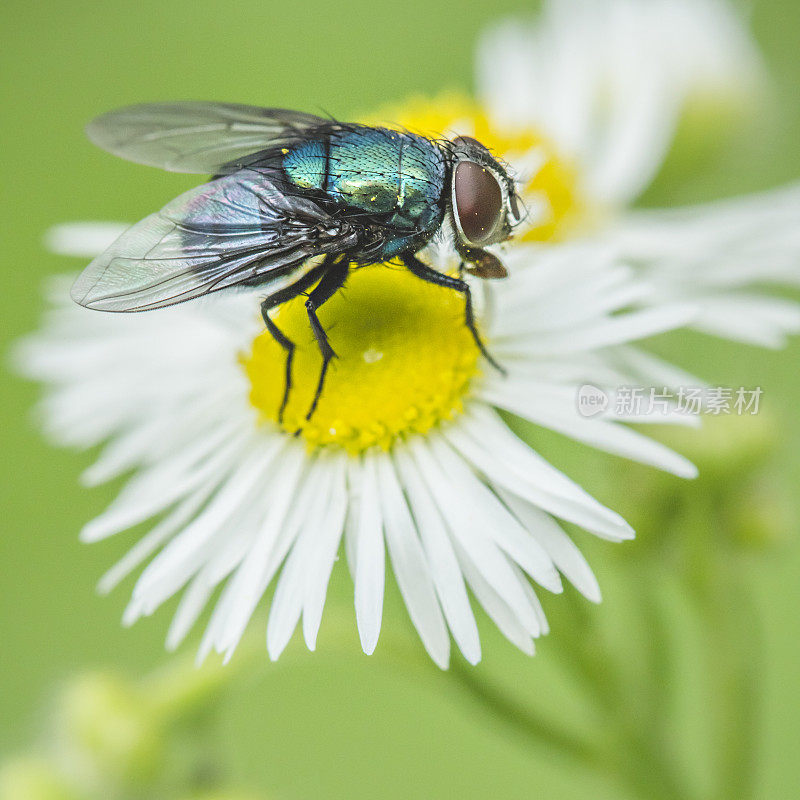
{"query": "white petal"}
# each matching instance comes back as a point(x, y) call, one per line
point(199, 433)
point(506, 620)
point(606, 332)
point(149, 543)
point(709, 255)
point(287, 604)
point(507, 533)
point(751, 319)
point(651, 370)
point(323, 554)
point(202, 586)
point(247, 587)
point(410, 565)
point(370, 557)
point(469, 533)
point(512, 465)
point(187, 551)
point(351, 521)
point(157, 488)
point(600, 433)
point(561, 548)
point(445, 570)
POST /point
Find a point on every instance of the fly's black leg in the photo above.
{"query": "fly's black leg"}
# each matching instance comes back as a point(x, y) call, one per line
point(331, 282)
point(426, 273)
point(284, 341)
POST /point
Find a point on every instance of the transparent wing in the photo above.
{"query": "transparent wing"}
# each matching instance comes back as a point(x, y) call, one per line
point(204, 138)
point(237, 229)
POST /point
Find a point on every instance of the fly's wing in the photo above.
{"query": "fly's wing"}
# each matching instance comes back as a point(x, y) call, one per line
point(237, 229)
point(203, 138)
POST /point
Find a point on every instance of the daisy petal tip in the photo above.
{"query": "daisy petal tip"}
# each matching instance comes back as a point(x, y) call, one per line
point(90, 533)
point(368, 622)
point(591, 591)
point(690, 472)
point(201, 656)
point(131, 614)
point(528, 647)
point(90, 478)
point(442, 660)
point(275, 646)
point(553, 584)
point(369, 643)
point(626, 533)
point(680, 467)
point(614, 528)
point(472, 657)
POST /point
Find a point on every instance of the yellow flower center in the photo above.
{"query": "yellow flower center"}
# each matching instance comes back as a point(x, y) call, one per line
point(552, 184)
point(405, 362)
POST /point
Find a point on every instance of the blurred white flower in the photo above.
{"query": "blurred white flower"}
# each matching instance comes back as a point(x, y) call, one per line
point(606, 85)
point(719, 256)
point(407, 454)
point(608, 81)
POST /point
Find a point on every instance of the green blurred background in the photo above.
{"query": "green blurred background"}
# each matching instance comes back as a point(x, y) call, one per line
point(337, 724)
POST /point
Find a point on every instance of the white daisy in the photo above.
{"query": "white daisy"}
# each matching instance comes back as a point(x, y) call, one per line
point(406, 455)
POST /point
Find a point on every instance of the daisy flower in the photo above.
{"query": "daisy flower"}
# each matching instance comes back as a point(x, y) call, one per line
point(407, 458)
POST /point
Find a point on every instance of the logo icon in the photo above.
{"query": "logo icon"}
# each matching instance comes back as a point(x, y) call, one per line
point(591, 400)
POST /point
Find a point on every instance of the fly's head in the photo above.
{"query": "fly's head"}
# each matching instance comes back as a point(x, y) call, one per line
point(485, 205)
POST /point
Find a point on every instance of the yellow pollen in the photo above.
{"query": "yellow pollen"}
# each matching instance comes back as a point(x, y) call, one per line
point(405, 362)
point(555, 181)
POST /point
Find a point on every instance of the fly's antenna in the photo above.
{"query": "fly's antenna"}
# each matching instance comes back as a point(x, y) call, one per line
point(526, 209)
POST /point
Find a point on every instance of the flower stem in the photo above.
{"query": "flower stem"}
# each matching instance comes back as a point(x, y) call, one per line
point(630, 760)
point(527, 723)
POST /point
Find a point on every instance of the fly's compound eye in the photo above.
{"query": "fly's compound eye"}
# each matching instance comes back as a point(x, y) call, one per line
point(478, 202)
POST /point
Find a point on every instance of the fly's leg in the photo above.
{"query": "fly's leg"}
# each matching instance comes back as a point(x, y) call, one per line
point(331, 282)
point(426, 273)
point(274, 300)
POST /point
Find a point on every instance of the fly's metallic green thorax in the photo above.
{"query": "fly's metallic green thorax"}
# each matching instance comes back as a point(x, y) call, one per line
point(394, 176)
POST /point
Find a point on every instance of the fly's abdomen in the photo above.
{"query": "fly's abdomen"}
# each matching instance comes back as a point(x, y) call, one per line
point(395, 175)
